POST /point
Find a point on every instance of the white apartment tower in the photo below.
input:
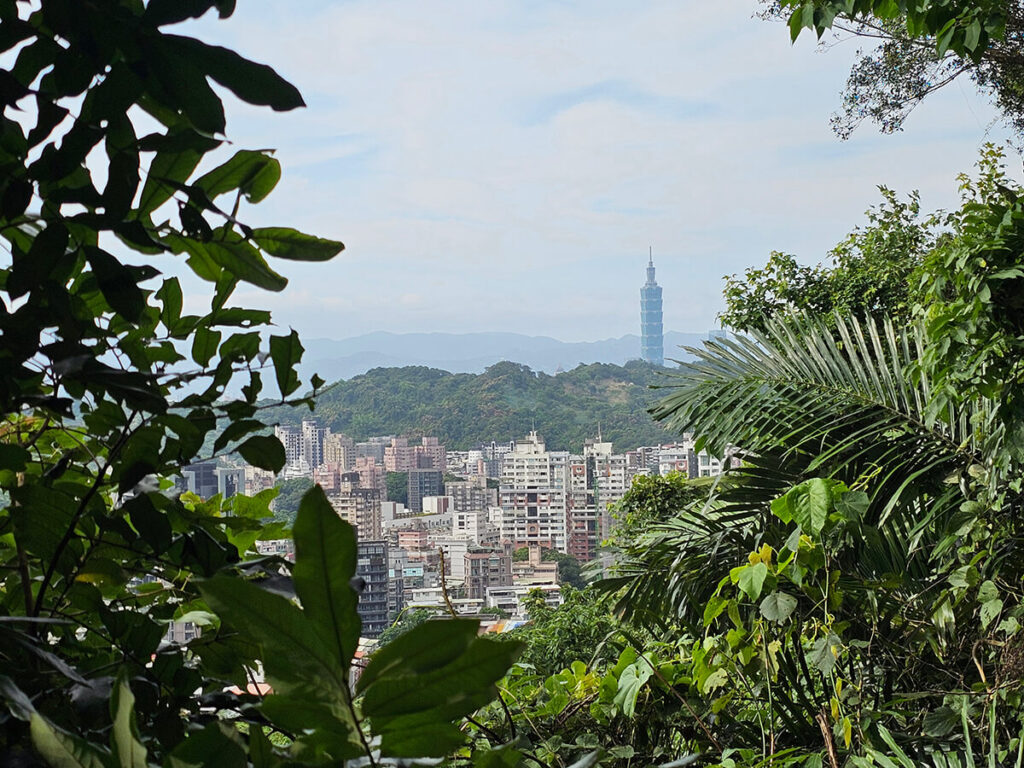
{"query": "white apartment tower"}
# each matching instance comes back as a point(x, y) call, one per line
point(313, 442)
point(291, 439)
point(534, 494)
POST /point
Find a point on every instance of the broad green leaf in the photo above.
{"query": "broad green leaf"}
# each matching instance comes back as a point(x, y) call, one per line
point(780, 508)
point(243, 261)
point(293, 651)
point(426, 648)
point(972, 35)
point(715, 680)
point(751, 579)
point(902, 756)
point(218, 745)
point(714, 608)
point(853, 504)
point(124, 737)
point(286, 352)
point(62, 750)
point(168, 165)
point(117, 283)
point(631, 682)
point(254, 173)
point(204, 345)
point(263, 451)
point(41, 517)
point(823, 653)
point(171, 298)
point(13, 457)
point(809, 504)
point(325, 563)
point(411, 695)
point(417, 736)
point(990, 609)
point(451, 691)
point(261, 754)
point(778, 606)
point(505, 756)
point(249, 81)
point(987, 591)
point(291, 244)
point(332, 725)
point(235, 431)
point(945, 37)
point(186, 86)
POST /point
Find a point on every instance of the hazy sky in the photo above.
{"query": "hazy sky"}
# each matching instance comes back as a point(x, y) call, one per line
point(505, 165)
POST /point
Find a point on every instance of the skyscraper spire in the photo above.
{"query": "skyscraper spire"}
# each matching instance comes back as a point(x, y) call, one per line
point(652, 334)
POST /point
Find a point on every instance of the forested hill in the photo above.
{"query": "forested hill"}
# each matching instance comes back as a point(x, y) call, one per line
point(502, 403)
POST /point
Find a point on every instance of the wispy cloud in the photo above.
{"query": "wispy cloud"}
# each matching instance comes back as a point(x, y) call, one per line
point(505, 165)
point(618, 92)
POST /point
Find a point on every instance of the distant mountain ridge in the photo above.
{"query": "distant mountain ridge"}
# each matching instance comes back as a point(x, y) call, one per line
point(503, 403)
point(337, 359)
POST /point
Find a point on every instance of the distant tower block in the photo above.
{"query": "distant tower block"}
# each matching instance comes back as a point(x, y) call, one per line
point(652, 333)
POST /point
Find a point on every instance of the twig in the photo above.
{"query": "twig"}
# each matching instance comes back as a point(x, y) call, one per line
point(444, 586)
point(826, 733)
point(508, 716)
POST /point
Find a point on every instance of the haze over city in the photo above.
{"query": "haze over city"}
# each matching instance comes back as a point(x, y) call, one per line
point(505, 166)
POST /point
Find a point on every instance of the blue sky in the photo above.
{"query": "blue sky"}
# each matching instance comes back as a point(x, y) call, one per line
point(504, 166)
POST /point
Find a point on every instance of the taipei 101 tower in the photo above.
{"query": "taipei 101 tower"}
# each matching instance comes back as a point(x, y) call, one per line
point(652, 334)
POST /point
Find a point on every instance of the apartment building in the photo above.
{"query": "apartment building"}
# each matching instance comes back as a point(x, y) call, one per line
point(534, 495)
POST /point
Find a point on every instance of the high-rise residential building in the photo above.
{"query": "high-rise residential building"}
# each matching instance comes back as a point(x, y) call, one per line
point(598, 480)
point(423, 482)
point(291, 439)
point(401, 457)
point(372, 568)
point(652, 333)
point(371, 475)
point(431, 454)
point(200, 478)
point(313, 442)
point(472, 495)
point(340, 451)
point(373, 448)
point(534, 494)
point(359, 506)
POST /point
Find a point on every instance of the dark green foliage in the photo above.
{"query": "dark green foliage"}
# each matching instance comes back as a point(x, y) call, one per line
point(575, 630)
point(503, 403)
point(650, 501)
point(874, 271)
point(569, 570)
point(406, 621)
point(397, 484)
point(917, 49)
point(289, 494)
point(412, 690)
point(878, 506)
point(108, 390)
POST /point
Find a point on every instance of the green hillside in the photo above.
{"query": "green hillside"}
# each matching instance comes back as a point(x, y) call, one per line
point(502, 403)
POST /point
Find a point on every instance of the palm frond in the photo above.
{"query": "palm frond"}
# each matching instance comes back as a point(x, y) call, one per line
point(853, 407)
